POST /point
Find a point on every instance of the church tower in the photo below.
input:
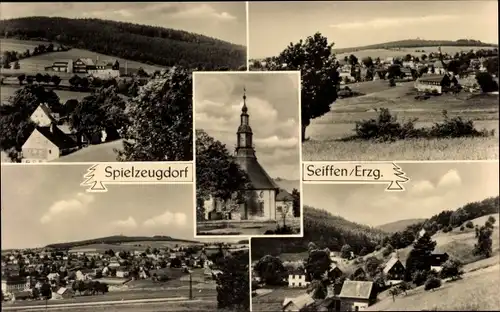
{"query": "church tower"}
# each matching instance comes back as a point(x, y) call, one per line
point(244, 145)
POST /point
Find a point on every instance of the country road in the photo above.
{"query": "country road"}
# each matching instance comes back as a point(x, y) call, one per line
point(139, 305)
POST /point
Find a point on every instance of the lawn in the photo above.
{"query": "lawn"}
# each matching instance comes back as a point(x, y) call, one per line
point(385, 53)
point(19, 45)
point(94, 153)
point(325, 133)
point(273, 301)
point(477, 291)
point(6, 91)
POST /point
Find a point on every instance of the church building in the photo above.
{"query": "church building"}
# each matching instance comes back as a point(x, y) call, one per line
point(263, 194)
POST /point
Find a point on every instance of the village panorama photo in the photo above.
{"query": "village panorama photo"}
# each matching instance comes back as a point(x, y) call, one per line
point(107, 82)
point(432, 247)
point(129, 249)
point(247, 153)
point(386, 80)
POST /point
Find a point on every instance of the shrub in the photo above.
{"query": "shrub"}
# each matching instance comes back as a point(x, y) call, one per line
point(446, 229)
point(432, 283)
point(387, 251)
point(462, 228)
point(469, 225)
point(419, 277)
point(451, 269)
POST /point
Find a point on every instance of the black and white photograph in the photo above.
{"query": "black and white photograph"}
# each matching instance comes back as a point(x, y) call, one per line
point(248, 159)
point(107, 82)
point(387, 80)
point(433, 247)
point(128, 249)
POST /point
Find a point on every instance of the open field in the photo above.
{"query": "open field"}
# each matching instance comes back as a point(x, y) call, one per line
point(243, 227)
point(475, 292)
point(325, 133)
point(38, 63)
point(385, 53)
point(159, 244)
point(6, 91)
point(19, 45)
point(124, 295)
point(151, 306)
point(273, 300)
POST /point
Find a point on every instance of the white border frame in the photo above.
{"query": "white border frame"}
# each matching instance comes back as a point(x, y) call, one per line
point(247, 9)
point(299, 91)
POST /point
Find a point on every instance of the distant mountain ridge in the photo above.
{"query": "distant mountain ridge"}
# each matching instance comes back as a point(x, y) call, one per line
point(417, 43)
point(118, 239)
point(142, 43)
point(398, 226)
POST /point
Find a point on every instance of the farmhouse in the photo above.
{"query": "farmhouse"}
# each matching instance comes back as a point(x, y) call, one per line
point(297, 303)
point(64, 66)
point(297, 278)
point(394, 269)
point(437, 260)
point(357, 295)
point(101, 69)
point(433, 83)
point(42, 116)
point(91, 252)
point(46, 144)
point(261, 196)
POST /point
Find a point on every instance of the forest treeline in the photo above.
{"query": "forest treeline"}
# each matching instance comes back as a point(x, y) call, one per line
point(148, 44)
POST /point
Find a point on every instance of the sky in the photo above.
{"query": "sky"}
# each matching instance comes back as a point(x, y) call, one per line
point(433, 187)
point(273, 107)
point(272, 25)
point(223, 20)
point(44, 204)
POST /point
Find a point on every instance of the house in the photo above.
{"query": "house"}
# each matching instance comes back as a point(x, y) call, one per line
point(358, 274)
point(122, 272)
point(298, 303)
point(46, 144)
point(406, 73)
point(284, 205)
point(64, 66)
point(433, 83)
point(297, 278)
point(260, 203)
point(421, 233)
point(335, 271)
point(357, 295)
point(42, 116)
point(394, 269)
point(82, 65)
point(53, 277)
point(13, 283)
point(83, 275)
point(21, 295)
point(437, 259)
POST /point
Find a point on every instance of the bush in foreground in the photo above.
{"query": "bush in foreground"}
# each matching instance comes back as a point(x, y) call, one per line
point(432, 283)
point(386, 127)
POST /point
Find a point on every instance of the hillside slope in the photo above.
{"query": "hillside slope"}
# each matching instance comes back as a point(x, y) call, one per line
point(117, 239)
point(398, 226)
point(417, 43)
point(147, 44)
point(325, 230)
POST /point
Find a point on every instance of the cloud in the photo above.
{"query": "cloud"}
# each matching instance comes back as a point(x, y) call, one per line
point(391, 22)
point(127, 223)
point(422, 187)
point(278, 142)
point(191, 11)
point(78, 204)
point(167, 218)
point(450, 179)
point(124, 13)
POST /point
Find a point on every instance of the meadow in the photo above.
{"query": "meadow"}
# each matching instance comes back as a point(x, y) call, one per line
point(37, 64)
point(385, 53)
point(19, 45)
point(273, 300)
point(325, 133)
point(6, 91)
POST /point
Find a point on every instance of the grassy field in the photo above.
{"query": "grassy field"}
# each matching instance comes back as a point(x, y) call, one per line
point(19, 45)
point(6, 91)
point(325, 133)
point(385, 53)
point(94, 153)
point(159, 244)
point(475, 292)
point(38, 63)
point(273, 301)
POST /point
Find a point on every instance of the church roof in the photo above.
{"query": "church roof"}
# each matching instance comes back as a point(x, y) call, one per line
point(259, 178)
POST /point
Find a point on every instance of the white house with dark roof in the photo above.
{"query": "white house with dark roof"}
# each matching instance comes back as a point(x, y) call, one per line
point(297, 278)
point(42, 116)
point(261, 204)
point(46, 144)
point(357, 295)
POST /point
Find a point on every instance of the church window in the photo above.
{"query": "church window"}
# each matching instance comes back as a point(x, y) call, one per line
point(261, 208)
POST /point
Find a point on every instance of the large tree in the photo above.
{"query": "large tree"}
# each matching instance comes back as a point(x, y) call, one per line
point(161, 120)
point(217, 175)
point(270, 269)
point(316, 61)
point(233, 284)
point(317, 263)
point(419, 257)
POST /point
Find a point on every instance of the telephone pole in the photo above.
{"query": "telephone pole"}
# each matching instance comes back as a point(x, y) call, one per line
point(190, 285)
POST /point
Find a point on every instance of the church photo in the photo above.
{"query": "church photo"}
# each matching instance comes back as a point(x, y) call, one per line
point(248, 153)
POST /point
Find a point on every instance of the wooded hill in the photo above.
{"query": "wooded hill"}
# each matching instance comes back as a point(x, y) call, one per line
point(141, 43)
point(118, 239)
point(325, 230)
point(419, 43)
